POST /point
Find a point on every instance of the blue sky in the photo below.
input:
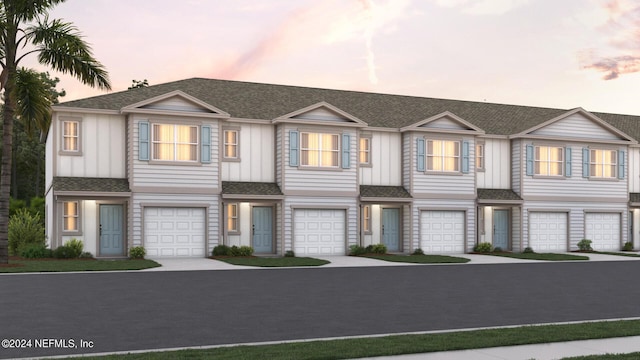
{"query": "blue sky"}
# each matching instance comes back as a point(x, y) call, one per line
point(550, 53)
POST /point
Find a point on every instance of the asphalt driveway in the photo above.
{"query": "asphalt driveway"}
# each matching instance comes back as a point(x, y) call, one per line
point(149, 310)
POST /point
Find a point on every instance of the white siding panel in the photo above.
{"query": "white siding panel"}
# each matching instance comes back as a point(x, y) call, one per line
point(577, 126)
point(322, 114)
point(257, 151)
point(407, 163)
point(49, 157)
point(445, 123)
point(634, 169)
point(518, 164)
point(386, 161)
point(497, 169)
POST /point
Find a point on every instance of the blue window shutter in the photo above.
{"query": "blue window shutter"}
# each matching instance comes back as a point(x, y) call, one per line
point(567, 162)
point(621, 164)
point(293, 148)
point(205, 146)
point(465, 157)
point(143, 141)
point(529, 160)
point(346, 153)
point(420, 152)
point(585, 162)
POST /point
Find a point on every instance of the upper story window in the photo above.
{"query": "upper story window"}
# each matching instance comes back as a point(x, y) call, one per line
point(443, 155)
point(319, 149)
point(603, 163)
point(365, 151)
point(175, 142)
point(231, 144)
point(71, 136)
point(480, 156)
point(71, 216)
point(549, 161)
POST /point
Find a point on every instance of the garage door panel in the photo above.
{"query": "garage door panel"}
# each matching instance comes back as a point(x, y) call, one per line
point(174, 232)
point(603, 229)
point(319, 232)
point(442, 231)
point(548, 231)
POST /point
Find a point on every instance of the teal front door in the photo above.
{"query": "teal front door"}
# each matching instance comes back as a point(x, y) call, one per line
point(501, 229)
point(262, 229)
point(391, 229)
point(111, 230)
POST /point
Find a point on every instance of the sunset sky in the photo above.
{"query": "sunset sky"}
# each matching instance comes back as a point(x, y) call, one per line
point(550, 53)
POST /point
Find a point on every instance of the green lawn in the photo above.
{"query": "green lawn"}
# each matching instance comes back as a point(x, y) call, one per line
point(631, 356)
point(273, 262)
point(62, 265)
point(629, 254)
point(540, 256)
point(418, 259)
point(405, 344)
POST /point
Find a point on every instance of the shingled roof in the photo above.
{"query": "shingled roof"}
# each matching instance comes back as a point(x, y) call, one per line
point(250, 188)
point(267, 101)
point(498, 195)
point(87, 184)
point(375, 191)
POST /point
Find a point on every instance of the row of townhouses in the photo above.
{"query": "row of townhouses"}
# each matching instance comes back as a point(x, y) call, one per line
point(184, 166)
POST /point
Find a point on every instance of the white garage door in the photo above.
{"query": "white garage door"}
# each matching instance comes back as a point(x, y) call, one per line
point(603, 229)
point(442, 232)
point(319, 232)
point(174, 232)
point(548, 231)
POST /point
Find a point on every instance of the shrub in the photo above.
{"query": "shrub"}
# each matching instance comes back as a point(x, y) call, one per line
point(418, 251)
point(86, 255)
point(25, 229)
point(585, 245)
point(497, 249)
point(483, 247)
point(289, 253)
point(628, 246)
point(377, 249)
point(357, 250)
point(35, 251)
point(528, 250)
point(221, 250)
point(76, 247)
point(137, 252)
point(241, 251)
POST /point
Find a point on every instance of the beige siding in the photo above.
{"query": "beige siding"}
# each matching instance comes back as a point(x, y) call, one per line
point(577, 126)
point(256, 151)
point(102, 144)
point(386, 160)
point(497, 168)
point(175, 177)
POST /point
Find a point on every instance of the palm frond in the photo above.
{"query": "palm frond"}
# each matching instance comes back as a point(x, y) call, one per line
point(33, 100)
point(27, 10)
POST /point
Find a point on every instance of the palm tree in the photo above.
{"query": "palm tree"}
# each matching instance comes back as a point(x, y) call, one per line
point(58, 45)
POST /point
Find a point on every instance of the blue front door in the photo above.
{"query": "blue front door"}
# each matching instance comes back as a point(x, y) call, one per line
point(262, 229)
point(501, 229)
point(111, 230)
point(391, 229)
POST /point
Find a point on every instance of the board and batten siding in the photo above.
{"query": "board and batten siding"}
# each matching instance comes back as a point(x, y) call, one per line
point(575, 185)
point(435, 183)
point(386, 160)
point(256, 151)
point(468, 206)
point(517, 166)
point(576, 215)
point(209, 202)
point(577, 126)
point(102, 141)
point(291, 203)
point(174, 176)
point(408, 152)
point(298, 178)
point(497, 168)
point(280, 149)
point(634, 169)
point(48, 165)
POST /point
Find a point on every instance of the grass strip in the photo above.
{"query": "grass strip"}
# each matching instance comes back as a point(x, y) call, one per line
point(630, 356)
point(54, 265)
point(540, 256)
point(404, 344)
point(418, 259)
point(273, 262)
point(616, 253)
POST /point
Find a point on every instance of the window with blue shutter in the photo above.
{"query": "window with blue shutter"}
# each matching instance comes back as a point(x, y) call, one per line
point(294, 152)
point(420, 154)
point(567, 161)
point(346, 153)
point(143, 140)
point(529, 160)
point(621, 164)
point(205, 146)
point(465, 157)
point(585, 162)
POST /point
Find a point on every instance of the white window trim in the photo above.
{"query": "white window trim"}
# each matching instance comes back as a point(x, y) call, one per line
point(78, 217)
point(481, 157)
point(366, 150)
point(78, 136)
point(153, 141)
point(366, 220)
point(614, 176)
point(320, 150)
point(235, 231)
point(442, 158)
point(549, 162)
point(224, 144)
